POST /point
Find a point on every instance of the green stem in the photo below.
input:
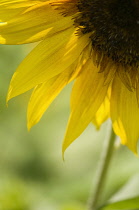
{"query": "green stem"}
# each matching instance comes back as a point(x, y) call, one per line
point(102, 170)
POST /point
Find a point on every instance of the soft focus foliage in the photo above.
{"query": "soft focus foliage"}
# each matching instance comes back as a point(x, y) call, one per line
point(33, 175)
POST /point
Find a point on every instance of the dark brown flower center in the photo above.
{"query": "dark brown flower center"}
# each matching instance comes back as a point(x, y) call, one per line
point(114, 28)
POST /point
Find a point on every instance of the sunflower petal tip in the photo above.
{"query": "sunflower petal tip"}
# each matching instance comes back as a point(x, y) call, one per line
point(63, 156)
point(64, 147)
point(9, 95)
point(63, 152)
point(97, 127)
point(133, 148)
point(30, 121)
point(136, 152)
point(8, 99)
point(137, 155)
point(29, 125)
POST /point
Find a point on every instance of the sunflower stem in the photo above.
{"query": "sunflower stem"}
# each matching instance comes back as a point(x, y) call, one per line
point(106, 155)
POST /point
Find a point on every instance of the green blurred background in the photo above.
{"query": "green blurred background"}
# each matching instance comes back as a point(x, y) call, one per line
point(32, 173)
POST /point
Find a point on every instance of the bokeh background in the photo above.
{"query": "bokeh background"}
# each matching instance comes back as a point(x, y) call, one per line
point(33, 175)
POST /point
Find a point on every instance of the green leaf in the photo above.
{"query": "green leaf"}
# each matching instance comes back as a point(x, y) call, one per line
point(127, 198)
point(128, 191)
point(130, 204)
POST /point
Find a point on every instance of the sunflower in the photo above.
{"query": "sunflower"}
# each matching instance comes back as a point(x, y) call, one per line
point(94, 43)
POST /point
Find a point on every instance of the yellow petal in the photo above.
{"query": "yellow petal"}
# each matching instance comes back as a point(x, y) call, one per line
point(103, 113)
point(87, 96)
point(33, 25)
point(8, 9)
point(125, 78)
point(48, 59)
point(125, 114)
point(44, 94)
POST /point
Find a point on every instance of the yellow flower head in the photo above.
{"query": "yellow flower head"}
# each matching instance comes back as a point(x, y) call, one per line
point(95, 43)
